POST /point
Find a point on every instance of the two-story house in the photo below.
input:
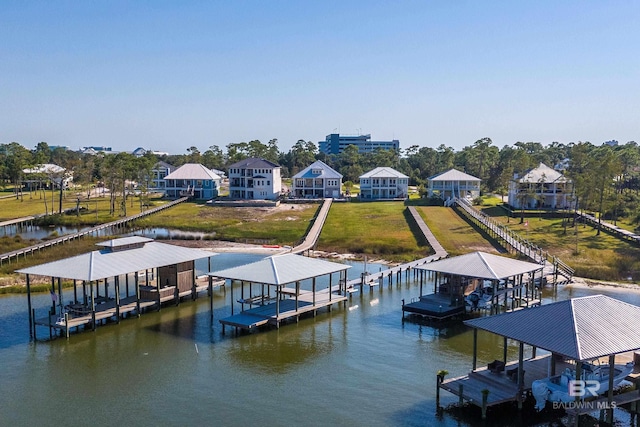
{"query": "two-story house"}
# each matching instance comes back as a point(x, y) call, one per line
point(317, 181)
point(192, 179)
point(254, 179)
point(453, 183)
point(384, 183)
point(158, 173)
point(541, 187)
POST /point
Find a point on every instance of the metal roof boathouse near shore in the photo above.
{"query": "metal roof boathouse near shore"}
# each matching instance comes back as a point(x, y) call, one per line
point(482, 265)
point(281, 269)
point(582, 328)
point(119, 256)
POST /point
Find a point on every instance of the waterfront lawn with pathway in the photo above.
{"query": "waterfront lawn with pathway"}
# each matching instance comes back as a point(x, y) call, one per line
point(454, 233)
point(602, 257)
point(382, 229)
point(284, 225)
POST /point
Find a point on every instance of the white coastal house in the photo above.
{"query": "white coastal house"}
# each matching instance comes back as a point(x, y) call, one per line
point(384, 183)
point(541, 187)
point(194, 180)
point(254, 179)
point(317, 181)
point(453, 183)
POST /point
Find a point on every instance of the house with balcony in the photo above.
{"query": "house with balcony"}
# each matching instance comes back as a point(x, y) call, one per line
point(453, 183)
point(254, 179)
point(541, 188)
point(158, 173)
point(192, 180)
point(317, 181)
point(384, 183)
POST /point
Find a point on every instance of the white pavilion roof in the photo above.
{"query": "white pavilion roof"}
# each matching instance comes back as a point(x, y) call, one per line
point(106, 263)
point(481, 265)
point(281, 269)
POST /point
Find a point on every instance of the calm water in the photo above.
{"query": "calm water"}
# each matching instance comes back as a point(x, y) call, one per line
point(357, 365)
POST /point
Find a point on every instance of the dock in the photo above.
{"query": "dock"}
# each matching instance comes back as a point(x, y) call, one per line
point(273, 313)
point(433, 306)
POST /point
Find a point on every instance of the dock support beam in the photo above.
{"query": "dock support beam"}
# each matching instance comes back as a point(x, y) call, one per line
point(475, 348)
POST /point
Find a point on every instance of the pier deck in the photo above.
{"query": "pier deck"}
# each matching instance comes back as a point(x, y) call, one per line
point(501, 387)
point(266, 314)
point(434, 306)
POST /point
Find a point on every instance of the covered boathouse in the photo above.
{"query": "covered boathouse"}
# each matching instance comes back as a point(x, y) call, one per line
point(586, 329)
point(492, 279)
point(281, 287)
point(158, 273)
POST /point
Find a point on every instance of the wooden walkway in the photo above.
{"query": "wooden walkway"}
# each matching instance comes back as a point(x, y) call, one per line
point(511, 239)
point(608, 227)
point(310, 240)
point(6, 257)
point(374, 279)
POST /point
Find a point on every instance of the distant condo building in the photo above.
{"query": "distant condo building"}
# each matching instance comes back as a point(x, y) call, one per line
point(336, 143)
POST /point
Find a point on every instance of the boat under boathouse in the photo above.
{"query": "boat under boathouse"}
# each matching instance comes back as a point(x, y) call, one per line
point(476, 281)
point(282, 287)
point(153, 273)
point(578, 335)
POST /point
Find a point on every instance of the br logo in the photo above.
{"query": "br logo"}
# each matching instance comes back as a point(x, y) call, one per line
point(582, 388)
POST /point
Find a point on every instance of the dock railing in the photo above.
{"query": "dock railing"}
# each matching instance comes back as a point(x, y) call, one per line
point(6, 257)
point(513, 240)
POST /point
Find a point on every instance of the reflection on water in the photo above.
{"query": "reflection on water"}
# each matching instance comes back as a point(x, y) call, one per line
point(356, 365)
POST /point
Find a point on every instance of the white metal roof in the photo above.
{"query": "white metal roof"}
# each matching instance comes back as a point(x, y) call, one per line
point(581, 328)
point(383, 172)
point(106, 263)
point(45, 168)
point(326, 171)
point(281, 269)
point(481, 265)
point(453, 175)
point(193, 171)
point(543, 174)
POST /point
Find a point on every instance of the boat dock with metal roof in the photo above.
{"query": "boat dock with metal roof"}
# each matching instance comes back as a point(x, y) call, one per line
point(128, 259)
point(582, 331)
point(281, 295)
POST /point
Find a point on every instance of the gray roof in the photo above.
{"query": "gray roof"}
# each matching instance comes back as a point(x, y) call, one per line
point(326, 171)
point(107, 263)
point(254, 162)
point(581, 328)
point(193, 171)
point(383, 172)
point(481, 265)
point(543, 174)
point(281, 269)
point(453, 175)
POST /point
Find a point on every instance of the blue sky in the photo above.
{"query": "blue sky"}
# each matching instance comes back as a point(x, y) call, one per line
point(171, 75)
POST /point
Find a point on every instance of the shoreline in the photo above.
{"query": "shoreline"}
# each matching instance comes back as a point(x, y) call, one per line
point(222, 246)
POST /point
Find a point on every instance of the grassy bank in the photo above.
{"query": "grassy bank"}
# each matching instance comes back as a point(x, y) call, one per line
point(381, 229)
point(284, 225)
point(454, 234)
point(602, 257)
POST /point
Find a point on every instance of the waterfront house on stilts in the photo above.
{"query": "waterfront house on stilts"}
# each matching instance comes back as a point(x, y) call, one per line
point(153, 273)
point(479, 281)
point(282, 287)
point(583, 338)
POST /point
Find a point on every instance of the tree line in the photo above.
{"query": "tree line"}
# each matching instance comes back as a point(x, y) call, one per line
point(606, 178)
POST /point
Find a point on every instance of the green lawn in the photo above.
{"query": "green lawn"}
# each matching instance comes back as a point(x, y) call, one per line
point(454, 234)
point(602, 257)
point(374, 228)
point(285, 225)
